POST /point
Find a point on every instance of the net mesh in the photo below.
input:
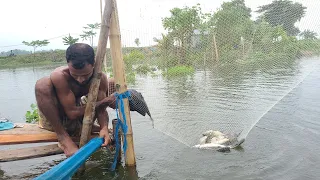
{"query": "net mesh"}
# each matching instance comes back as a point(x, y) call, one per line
point(215, 65)
point(203, 68)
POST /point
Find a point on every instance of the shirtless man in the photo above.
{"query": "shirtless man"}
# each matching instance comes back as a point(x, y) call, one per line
point(58, 98)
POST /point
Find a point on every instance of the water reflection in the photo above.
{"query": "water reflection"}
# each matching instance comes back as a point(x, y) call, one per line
point(98, 167)
point(229, 97)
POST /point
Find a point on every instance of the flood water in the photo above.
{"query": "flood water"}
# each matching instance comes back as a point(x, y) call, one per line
point(275, 107)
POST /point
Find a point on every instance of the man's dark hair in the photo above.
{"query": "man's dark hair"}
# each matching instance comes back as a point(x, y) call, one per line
point(80, 54)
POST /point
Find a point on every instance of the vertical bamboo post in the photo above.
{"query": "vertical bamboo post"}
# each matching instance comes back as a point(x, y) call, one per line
point(243, 54)
point(120, 80)
point(250, 45)
point(94, 87)
point(105, 56)
point(215, 47)
point(242, 43)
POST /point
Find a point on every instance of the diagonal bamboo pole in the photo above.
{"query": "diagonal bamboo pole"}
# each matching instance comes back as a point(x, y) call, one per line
point(101, 13)
point(120, 80)
point(94, 87)
point(105, 56)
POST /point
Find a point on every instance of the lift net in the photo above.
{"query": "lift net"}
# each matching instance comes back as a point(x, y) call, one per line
point(217, 65)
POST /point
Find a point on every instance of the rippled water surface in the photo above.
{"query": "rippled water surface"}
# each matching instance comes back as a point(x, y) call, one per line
point(276, 107)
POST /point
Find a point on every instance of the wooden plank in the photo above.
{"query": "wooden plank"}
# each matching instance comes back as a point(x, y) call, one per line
point(27, 138)
point(31, 152)
point(26, 129)
point(29, 133)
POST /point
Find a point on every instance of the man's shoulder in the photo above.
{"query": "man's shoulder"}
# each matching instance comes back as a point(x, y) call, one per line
point(60, 70)
point(59, 74)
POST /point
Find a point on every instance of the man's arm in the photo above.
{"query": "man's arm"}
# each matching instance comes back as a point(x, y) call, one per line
point(101, 113)
point(66, 96)
point(109, 101)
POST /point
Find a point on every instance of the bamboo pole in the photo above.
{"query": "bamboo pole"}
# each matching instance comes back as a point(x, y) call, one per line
point(120, 80)
point(242, 43)
point(215, 47)
point(94, 87)
point(105, 56)
point(101, 10)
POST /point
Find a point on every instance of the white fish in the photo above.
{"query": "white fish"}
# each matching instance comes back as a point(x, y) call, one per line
point(218, 140)
point(209, 146)
point(203, 140)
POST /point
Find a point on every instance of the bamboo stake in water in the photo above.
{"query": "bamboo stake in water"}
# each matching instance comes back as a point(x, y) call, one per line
point(215, 47)
point(94, 87)
point(120, 80)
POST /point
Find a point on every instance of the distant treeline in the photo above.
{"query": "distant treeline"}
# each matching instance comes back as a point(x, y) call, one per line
point(14, 52)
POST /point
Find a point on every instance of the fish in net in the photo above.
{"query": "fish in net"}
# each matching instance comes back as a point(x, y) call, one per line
point(218, 140)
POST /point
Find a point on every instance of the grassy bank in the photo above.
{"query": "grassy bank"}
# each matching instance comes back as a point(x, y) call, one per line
point(58, 56)
point(143, 60)
point(37, 59)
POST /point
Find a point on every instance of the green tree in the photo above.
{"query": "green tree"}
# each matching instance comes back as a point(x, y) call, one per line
point(90, 32)
point(233, 27)
point(132, 58)
point(307, 34)
point(137, 41)
point(36, 44)
point(284, 13)
point(181, 25)
point(165, 44)
point(69, 40)
point(273, 42)
point(166, 50)
point(263, 37)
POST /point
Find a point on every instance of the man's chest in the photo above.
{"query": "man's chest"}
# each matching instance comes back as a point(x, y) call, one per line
point(79, 91)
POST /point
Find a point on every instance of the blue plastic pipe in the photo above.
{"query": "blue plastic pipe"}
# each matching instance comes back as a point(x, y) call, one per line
point(66, 169)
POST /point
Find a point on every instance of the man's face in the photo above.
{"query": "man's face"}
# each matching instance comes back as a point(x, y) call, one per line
point(81, 76)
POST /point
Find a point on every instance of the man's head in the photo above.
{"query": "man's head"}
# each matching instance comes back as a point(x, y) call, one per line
point(80, 59)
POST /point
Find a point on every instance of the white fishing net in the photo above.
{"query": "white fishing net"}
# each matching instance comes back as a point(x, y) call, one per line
point(217, 65)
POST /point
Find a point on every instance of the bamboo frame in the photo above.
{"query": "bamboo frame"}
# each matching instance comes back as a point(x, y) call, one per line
point(120, 80)
point(94, 87)
point(215, 47)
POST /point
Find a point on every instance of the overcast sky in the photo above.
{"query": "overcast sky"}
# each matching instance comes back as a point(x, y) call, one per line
point(27, 20)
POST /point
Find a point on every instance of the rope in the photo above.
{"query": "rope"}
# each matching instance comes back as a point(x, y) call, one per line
point(123, 125)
